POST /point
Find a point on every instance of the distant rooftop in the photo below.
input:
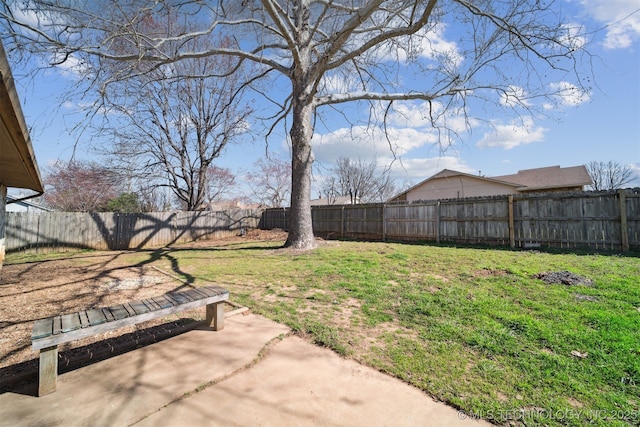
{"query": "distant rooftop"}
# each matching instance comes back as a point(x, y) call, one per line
point(340, 200)
point(548, 178)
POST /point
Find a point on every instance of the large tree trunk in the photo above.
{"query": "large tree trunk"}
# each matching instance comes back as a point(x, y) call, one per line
point(303, 107)
point(300, 227)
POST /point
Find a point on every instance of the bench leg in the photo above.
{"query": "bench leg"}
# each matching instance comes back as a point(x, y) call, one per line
point(215, 316)
point(48, 370)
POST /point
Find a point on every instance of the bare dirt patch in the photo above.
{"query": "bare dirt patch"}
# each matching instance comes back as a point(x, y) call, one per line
point(563, 278)
point(31, 291)
point(490, 273)
point(37, 290)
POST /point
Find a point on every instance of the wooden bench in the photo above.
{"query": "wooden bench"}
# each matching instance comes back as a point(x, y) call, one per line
point(49, 333)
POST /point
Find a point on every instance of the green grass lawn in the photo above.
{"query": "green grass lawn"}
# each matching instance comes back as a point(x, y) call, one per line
point(471, 327)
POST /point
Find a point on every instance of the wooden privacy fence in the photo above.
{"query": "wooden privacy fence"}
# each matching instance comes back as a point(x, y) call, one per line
point(59, 231)
point(598, 220)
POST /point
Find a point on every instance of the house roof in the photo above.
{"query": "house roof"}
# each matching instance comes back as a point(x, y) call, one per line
point(339, 200)
point(19, 201)
point(549, 177)
point(449, 173)
point(18, 166)
point(525, 180)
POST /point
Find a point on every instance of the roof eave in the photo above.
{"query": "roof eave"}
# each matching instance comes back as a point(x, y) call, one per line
point(21, 170)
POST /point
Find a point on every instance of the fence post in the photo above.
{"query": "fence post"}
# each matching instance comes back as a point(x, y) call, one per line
point(342, 222)
point(384, 223)
point(512, 231)
point(284, 219)
point(624, 230)
point(438, 222)
point(3, 218)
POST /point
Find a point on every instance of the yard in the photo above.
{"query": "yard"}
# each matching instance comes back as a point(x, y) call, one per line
point(487, 330)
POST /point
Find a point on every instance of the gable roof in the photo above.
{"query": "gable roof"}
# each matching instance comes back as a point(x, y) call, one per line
point(18, 167)
point(449, 173)
point(549, 177)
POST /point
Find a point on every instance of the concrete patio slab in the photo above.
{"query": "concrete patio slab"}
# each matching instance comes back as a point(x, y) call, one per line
point(121, 390)
point(299, 384)
point(207, 378)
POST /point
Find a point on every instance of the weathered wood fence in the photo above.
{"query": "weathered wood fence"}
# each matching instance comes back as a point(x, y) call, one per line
point(59, 231)
point(598, 220)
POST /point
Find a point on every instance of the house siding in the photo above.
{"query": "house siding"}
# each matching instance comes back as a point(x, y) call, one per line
point(24, 206)
point(453, 187)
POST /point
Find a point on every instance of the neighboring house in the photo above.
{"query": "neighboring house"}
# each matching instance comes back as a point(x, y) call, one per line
point(229, 205)
point(14, 204)
point(450, 184)
point(338, 200)
point(18, 167)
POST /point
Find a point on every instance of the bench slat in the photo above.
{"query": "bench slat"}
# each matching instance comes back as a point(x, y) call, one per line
point(119, 312)
point(163, 301)
point(57, 325)
point(70, 322)
point(107, 314)
point(194, 294)
point(42, 328)
point(153, 306)
point(130, 310)
point(180, 298)
point(207, 291)
point(173, 301)
point(84, 319)
point(199, 292)
point(96, 317)
point(139, 307)
point(212, 291)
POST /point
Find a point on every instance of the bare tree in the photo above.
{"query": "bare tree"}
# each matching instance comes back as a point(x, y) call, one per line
point(609, 175)
point(173, 121)
point(312, 44)
point(220, 183)
point(358, 179)
point(270, 181)
point(80, 186)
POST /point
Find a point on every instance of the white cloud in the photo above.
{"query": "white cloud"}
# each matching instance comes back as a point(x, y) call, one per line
point(409, 129)
point(72, 67)
point(567, 94)
point(432, 44)
point(30, 17)
point(515, 96)
point(363, 142)
point(513, 134)
point(622, 18)
point(420, 115)
point(416, 170)
point(428, 43)
point(574, 36)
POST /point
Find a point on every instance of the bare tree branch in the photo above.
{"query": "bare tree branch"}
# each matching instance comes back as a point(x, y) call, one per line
point(505, 54)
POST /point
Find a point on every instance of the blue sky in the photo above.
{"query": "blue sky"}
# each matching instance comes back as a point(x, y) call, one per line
point(604, 125)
